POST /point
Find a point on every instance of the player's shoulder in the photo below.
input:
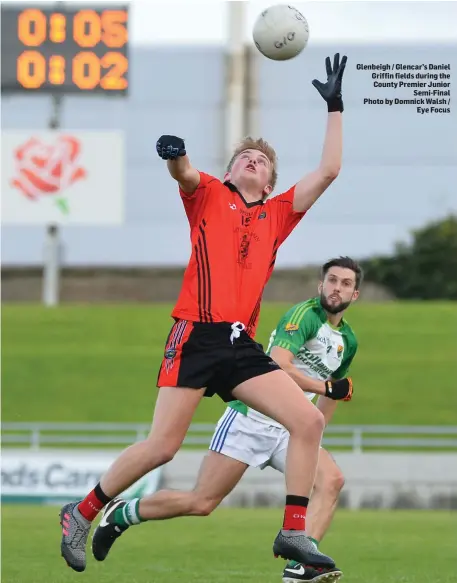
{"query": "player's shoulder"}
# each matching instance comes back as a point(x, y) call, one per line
point(209, 180)
point(286, 197)
point(302, 314)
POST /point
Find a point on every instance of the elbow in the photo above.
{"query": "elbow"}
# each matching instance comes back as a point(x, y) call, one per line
point(330, 173)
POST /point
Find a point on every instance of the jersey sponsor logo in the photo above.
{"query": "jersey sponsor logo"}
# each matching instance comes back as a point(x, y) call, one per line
point(291, 328)
point(339, 350)
point(252, 234)
point(314, 362)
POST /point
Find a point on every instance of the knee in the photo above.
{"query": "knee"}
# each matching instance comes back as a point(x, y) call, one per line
point(333, 482)
point(166, 455)
point(157, 454)
point(202, 506)
point(309, 422)
point(318, 421)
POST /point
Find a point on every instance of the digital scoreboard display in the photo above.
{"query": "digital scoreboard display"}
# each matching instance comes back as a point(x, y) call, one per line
point(64, 49)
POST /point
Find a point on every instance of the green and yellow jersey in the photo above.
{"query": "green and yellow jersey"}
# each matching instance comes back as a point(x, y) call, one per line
point(320, 350)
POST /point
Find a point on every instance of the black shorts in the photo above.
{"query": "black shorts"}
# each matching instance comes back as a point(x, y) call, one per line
point(199, 355)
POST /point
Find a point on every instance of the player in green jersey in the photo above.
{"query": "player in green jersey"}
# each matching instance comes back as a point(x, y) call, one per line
point(315, 345)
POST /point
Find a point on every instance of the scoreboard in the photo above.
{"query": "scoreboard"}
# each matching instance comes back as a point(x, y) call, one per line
point(63, 49)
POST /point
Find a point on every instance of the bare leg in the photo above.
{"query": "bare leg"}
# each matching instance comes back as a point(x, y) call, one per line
point(324, 499)
point(172, 416)
point(275, 394)
point(218, 476)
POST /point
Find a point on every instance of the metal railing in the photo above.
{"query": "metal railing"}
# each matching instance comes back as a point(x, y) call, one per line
point(357, 438)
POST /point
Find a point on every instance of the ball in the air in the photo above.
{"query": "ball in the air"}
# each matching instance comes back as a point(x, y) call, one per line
point(281, 32)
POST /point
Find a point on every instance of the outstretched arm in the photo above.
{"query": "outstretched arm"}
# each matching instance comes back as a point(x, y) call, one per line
point(172, 149)
point(184, 173)
point(310, 188)
point(313, 185)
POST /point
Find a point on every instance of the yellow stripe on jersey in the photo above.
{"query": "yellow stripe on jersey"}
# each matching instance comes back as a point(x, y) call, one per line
point(301, 310)
point(282, 344)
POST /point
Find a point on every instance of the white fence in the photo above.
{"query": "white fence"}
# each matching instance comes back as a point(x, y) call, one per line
point(356, 438)
point(384, 466)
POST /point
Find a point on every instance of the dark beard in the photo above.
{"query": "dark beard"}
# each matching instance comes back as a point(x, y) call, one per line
point(333, 309)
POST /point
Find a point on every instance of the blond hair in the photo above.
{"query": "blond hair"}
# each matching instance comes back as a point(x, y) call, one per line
point(261, 145)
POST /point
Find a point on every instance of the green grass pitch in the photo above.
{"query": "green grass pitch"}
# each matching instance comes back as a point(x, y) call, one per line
point(100, 363)
point(234, 545)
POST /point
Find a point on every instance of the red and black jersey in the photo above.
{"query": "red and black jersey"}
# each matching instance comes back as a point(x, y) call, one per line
point(234, 247)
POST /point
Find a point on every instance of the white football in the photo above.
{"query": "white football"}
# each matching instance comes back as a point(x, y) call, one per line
point(281, 32)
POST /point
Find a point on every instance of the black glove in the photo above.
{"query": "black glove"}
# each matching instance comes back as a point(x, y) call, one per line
point(340, 390)
point(331, 91)
point(170, 147)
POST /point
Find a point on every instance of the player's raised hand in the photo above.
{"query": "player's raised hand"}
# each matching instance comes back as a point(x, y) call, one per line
point(340, 390)
point(170, 147)
point(331, 91)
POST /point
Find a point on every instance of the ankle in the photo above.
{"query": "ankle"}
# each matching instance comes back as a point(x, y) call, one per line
point(128, 514)
point(295, 512)
point(93, 503)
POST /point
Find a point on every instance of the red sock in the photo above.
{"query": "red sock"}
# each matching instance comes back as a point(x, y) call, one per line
point(93, 503)
point(295, 512)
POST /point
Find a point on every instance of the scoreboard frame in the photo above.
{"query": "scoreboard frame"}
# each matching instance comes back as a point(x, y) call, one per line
point(64, 48)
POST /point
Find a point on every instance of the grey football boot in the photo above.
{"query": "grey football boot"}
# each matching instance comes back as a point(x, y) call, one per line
point(75, 530)
point(294, 545)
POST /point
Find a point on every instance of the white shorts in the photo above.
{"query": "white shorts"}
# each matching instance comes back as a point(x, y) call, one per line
point(250, 441)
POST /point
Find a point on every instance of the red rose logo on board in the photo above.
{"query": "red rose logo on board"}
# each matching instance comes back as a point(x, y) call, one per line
point(44, 170)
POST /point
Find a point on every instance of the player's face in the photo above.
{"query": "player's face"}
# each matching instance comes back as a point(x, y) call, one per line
point(251, 170)
point(338, 289)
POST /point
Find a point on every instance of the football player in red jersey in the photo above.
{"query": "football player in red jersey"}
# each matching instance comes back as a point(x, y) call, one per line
point(236, 231)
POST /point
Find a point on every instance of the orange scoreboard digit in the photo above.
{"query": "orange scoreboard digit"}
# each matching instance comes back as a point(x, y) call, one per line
point(66, 50)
